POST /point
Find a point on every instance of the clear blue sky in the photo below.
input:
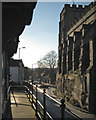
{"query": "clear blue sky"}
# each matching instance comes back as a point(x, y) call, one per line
point(42, 35)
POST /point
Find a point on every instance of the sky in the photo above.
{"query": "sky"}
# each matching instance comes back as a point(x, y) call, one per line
point(41, 36)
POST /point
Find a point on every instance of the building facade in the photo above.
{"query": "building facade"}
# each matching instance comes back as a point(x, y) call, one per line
point(16, 71)
point(76, 76)
point(14, 17)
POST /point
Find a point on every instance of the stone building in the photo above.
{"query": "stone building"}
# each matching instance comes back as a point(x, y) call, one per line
point(14, 18)
point(76, 77)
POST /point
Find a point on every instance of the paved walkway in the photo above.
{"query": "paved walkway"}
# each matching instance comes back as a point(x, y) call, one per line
point(81, 113)
point(20, 106)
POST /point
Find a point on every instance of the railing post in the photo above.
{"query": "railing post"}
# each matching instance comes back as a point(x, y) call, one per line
point(29, 94)
point(12, 88)
point(44, 91)
point(62, 109)
point(32, 92)
point(29, 90)
point(36, 99)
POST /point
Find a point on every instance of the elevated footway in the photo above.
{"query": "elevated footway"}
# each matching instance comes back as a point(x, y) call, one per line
point(20, 105)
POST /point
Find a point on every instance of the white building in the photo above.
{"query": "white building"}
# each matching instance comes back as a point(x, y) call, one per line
point(16, 71)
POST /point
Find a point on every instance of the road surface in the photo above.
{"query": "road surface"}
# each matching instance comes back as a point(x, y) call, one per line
point(53, 108)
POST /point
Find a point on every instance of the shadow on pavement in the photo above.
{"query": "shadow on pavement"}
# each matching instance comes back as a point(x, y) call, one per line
point(8, 114)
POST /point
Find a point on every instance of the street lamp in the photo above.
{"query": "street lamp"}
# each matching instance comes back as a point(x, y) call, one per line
point(19, 50)
point(32, 75)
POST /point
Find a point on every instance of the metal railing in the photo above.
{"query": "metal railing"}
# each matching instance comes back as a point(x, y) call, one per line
point(40, 109)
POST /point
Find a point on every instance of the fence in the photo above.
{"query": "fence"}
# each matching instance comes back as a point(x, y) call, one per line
point(40, 109)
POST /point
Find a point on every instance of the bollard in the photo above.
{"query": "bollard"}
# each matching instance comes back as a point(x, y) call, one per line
point(44, 102)
point(62, 109)
point(36, 100)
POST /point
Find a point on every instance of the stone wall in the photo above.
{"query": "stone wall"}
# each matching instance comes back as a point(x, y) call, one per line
point(76, 55)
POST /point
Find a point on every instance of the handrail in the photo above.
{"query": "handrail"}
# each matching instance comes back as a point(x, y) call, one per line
point(77, 116)
point(65, 104)
point(40, 110)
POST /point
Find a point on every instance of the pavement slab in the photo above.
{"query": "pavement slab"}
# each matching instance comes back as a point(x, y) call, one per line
point(20, 106)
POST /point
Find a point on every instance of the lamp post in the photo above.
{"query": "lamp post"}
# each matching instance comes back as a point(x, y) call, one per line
point(32, 73)
point(20, 49)
point(20, 69)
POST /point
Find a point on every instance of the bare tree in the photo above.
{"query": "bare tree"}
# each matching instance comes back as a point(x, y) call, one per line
point(49, 61)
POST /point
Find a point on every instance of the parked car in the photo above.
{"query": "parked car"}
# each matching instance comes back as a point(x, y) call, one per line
point(36, 82)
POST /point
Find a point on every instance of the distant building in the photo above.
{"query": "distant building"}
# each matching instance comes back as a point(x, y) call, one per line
point(16, 71)
point(76, 77)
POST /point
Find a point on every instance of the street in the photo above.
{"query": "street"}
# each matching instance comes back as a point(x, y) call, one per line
point(52, 107)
